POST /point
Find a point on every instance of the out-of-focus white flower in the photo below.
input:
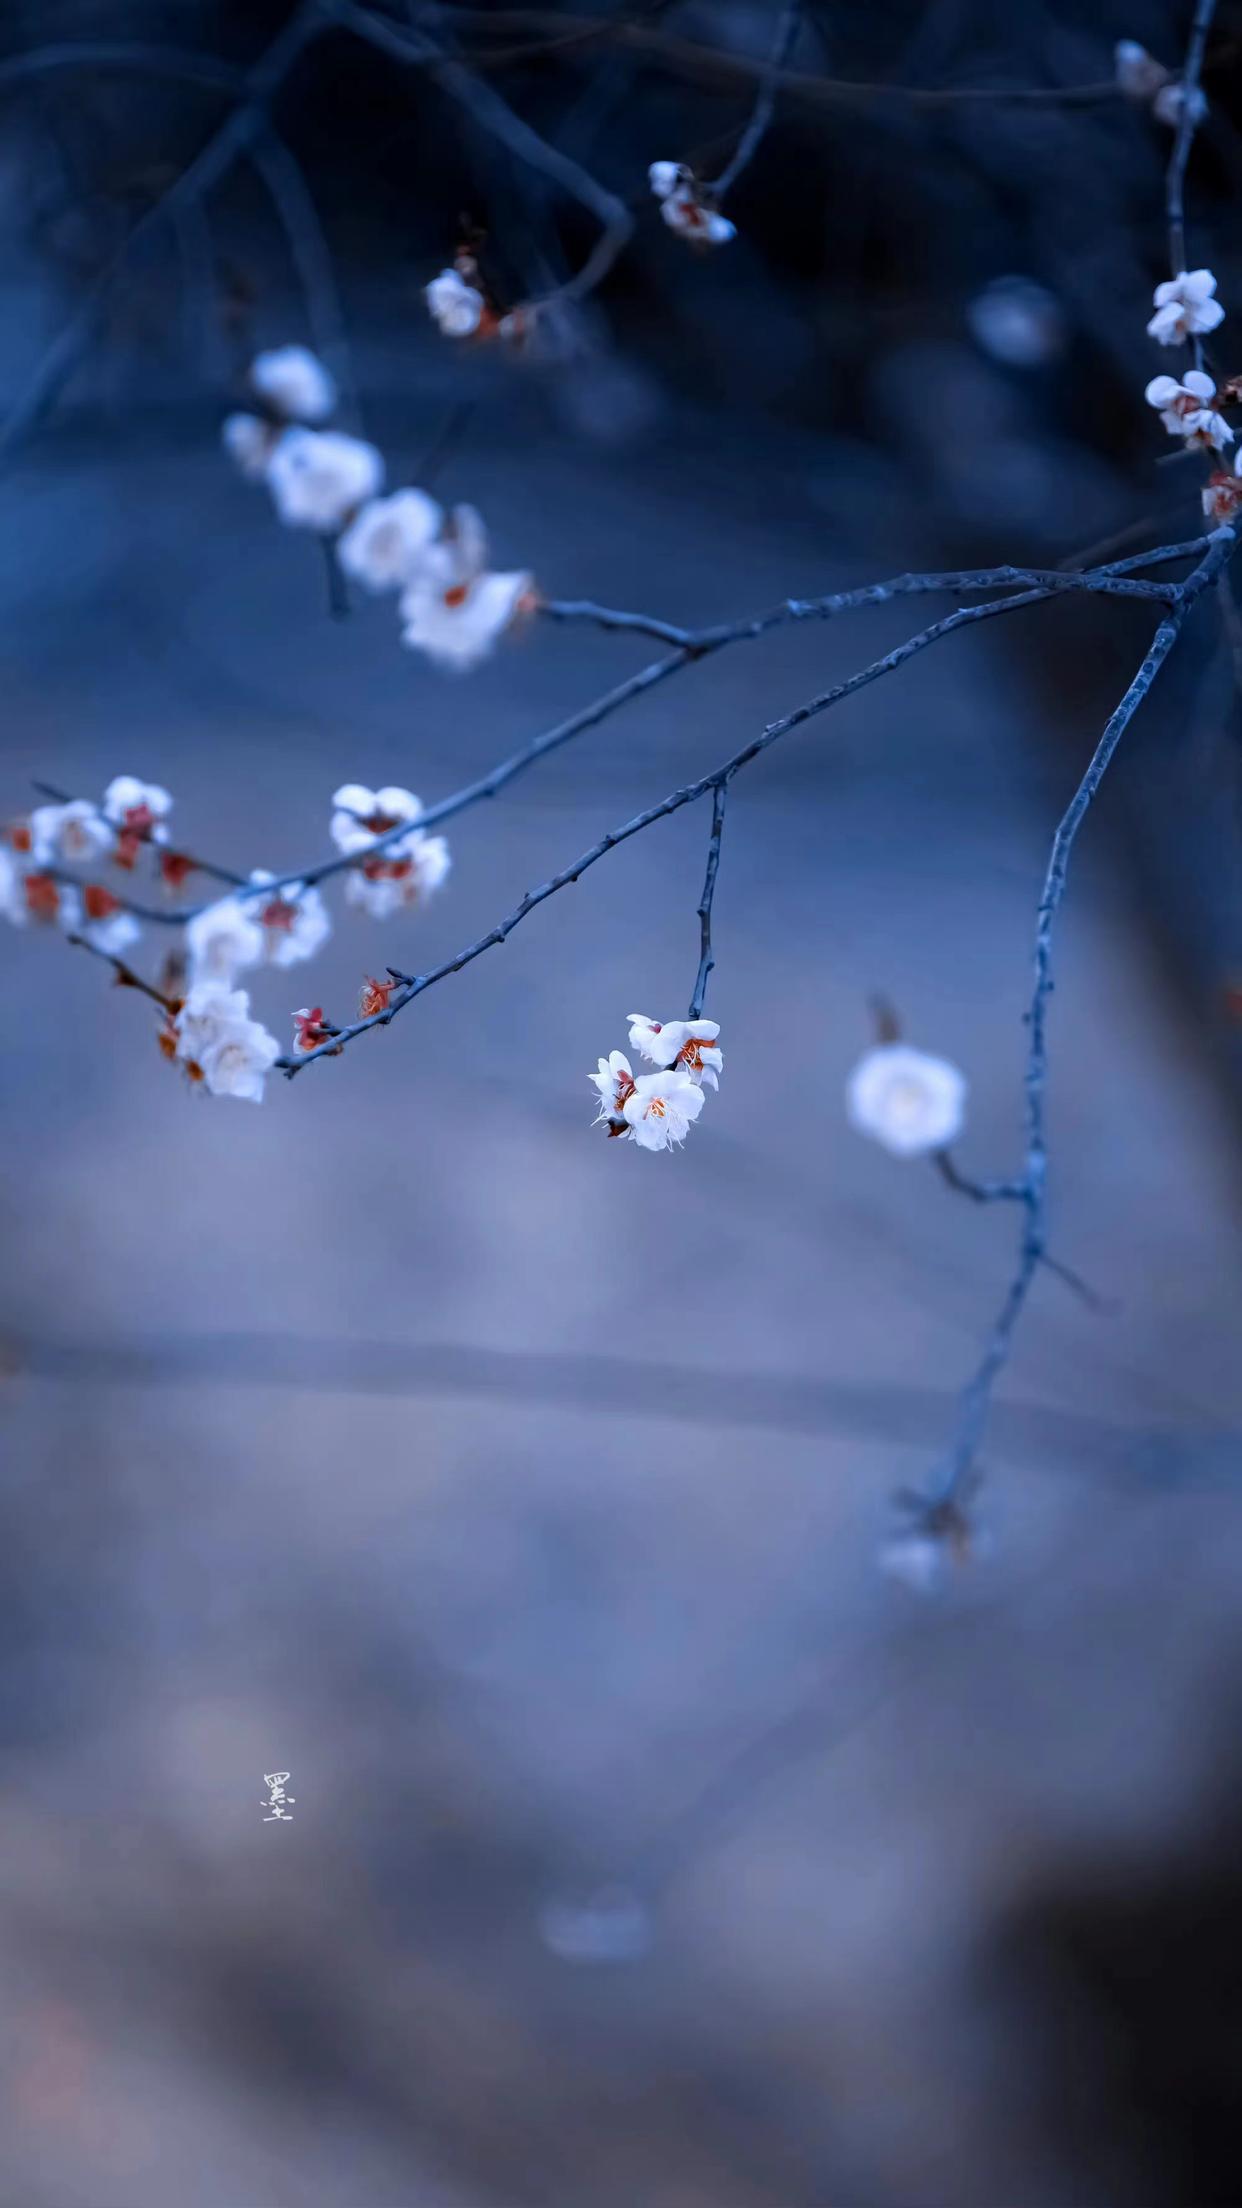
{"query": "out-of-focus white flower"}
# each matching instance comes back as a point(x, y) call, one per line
point(661, 1108)
point(454, 305)
point(249, 444)
point(1169, 102)
point(917, 1558)
point(614, 1082)
point(910, 1102)
point(385, 885)
point(294, 383)
point(385, 543)
point(1139, 75)
point(295, 922)
point(692, 219)
point(361, 815)
point(456, 607)
point(1186, 408)
point(1185, 307)
point(1222, 494)
point(12, 898)
point(137, 810)
point(105, 922)
point(688, 1044)
point(221, 940)
point(320, 477)
point(68, 834)
point(220, 1045)
point(665, 176)
point(27, 893)
point(1017, 321)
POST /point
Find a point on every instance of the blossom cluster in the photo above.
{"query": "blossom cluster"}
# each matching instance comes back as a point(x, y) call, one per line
point(454, 607)
point(35, 850)
point(1186, 309)
point(687, 205)
point(657, 1110)
point(461, 304)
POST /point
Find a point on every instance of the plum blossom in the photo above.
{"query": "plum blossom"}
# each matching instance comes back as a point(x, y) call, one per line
point(384, 544)
point(661, 1108)
point(105, 923)
point(1017, 321)
point(319, 478)
point(249, 443)
point(362, 814)
point(137, 810)
point(1187, 408)
point(690, 1045)
point(311, 1028)
point(221, 940)
point(456, 607)
point(906, 1100)
point(456, 306)
point(615, 1082)
point(1139, 75)
point(685, 206)
point(68, 833)
point(1222, 495)
point(294, 921)
point(385, 885)
point(1185, 307)
point(294, 383)
point(219, 1044)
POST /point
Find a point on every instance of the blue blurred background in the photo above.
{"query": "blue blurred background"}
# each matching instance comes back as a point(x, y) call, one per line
point(517, 1493)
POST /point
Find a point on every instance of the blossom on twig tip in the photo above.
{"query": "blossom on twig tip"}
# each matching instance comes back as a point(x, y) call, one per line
point(320, 477)
point(456, 307)
point(456, 608)
point(385, 542)
point(221, 1046)
point(1188, 409)
point(137, 810)
point(294, 383)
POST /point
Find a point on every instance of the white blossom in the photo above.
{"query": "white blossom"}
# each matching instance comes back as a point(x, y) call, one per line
point(386, 541)
point(1185, 307)
point(1186, 408)
point(456, 607)
point(906, 1100)
point(615, 1082)
point(221, 940)
point(137, 808)
point(219, 1043)
point(664, 177)
point(1222, 494)
point(12, 893)
point(361, 815)
point(690, 1045)
point(455, 306)
point(661, 1108)
point(691, 218)
point(294, 383)
point(249, 443)
point(68, 834)
point(385, 885)
point(320, 477)
point(105, 923)
point(295, 922)
point(28, 893)
point(1139, 75)
point(1169, 102)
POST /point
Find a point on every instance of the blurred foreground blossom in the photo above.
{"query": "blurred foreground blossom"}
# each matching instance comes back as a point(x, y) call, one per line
point(69, 834)
point(137, 810)
point(105, 924)
point(685, 207)
point(222, 940)
point(320, 478)
point(908, 1101)
point(1018, 322)
point(457, 608)
point(456, 307)
point(220, 1045)
point(294, 383)
point(1222, 495)
point(295, 921)
point(249, 443)
point(386, 541)
point(1185, 307)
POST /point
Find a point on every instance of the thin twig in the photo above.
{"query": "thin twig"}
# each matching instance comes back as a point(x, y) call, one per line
point(706, 955)
point(1183, 137)
point(290, 196)
point(125, 975)
point(765, 103)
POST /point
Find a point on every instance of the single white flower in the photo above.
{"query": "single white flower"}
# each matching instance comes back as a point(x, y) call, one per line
point(1185, 307)
point(661, 1108)
point(221, 940)
point(219, 1043)
point(28, 893)
point(1186, 408)
point(1170, 100)
point(455, 306)
point(664, 177)
point(361, 815)
point(385, 542)
point(69, 834)
point(319, 478)
point(615, 1082)
point(385, 885)
point(249, 444)
point(910, 1102)
point(295, 922)
point(135, 806)
point(456, 607)
point(690, 1045)
point(687, 214)
point(294, 383)
point(1139, 75)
